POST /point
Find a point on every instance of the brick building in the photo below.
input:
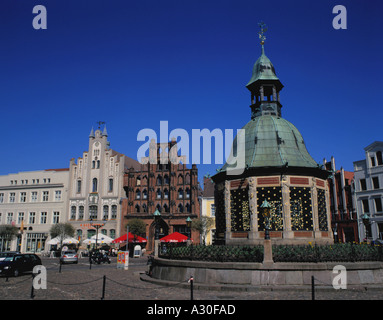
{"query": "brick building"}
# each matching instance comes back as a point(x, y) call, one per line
point(164, 183)
point(344, 221)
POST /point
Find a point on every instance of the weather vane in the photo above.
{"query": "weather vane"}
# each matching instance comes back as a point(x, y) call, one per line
point(261, 32)
point(100, 123)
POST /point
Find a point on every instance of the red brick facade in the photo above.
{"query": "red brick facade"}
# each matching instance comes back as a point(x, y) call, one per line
point(167, 186)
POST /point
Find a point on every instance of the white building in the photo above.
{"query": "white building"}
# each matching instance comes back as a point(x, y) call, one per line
point(368, 179)
point(32, 201)
point(96, 187)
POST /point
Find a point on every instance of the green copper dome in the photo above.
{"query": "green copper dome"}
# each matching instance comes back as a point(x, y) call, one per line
point(271, 141)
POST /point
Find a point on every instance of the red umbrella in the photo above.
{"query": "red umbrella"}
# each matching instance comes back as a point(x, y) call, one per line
point(174, 237)
point(132, 238)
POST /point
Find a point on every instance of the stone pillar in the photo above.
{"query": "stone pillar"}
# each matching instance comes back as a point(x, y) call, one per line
point(253, 234)
point(227, 210)
point(287, 232)
point(314, 206)
point(267, 253)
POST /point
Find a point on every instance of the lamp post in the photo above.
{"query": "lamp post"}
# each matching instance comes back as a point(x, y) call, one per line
point(157, 219)
point(97, 225)
point(366, 222)
point(267, 249)
point(188, 226)
point(266, 207)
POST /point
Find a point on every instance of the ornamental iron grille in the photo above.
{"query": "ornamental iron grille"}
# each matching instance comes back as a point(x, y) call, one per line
point(322, 212)
point(273, 195)
point(301, 209)
point(220, 218)
point(240, 211)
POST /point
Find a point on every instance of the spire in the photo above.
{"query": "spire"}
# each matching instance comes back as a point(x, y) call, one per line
point(104, 132)
point(91, 135)
point(264, 84)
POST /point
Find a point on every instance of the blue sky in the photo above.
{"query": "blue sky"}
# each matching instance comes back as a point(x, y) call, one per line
point(135, 63)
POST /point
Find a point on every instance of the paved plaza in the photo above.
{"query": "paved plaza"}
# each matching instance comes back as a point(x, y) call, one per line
point(79, 282)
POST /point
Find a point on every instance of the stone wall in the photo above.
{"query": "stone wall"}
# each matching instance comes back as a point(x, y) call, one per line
point(256, 274)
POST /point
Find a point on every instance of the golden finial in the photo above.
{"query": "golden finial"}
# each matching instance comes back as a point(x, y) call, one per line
point(261, 32)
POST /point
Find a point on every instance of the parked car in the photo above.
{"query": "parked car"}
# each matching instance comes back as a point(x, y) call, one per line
point(69, 256)
point(16, 264)
point(5, 254)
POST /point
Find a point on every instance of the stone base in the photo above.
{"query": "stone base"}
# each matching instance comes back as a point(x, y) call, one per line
point(257, 274)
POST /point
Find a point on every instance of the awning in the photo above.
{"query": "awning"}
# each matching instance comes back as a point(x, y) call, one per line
point(68, 240)
point(132, 238)
point(174, 237)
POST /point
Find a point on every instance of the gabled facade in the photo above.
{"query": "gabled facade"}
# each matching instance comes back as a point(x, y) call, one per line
point(96, 187)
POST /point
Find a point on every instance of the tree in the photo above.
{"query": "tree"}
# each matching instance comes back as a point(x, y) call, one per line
point(203, 226)
point(7, 233)
point(62, 231)
point(136, 226)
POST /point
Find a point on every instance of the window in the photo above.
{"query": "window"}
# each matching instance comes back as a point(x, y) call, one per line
point(94, 186)
point(81, 212)
point(23, 196)
point(58, 195)
point(138, 194)
point(166, 179)
point(366, 207)
point(45, 196)
point(1, 197)
point(180, 208)
point(93, 212)
point(187, 193)
point(144, 208)
point(159, 180)
point(166, 208)
point(114, 212)
point(378, 205)
point(166, 194)
point(375, 182)
point(78, 186)
point(73, 213)
point(363, 185)
point(144, 194)
point(138, 181)
point(98, 164)
point(12, 197)
point(372, 161)
point(20, 217)
point(9, 217)
point(212, 210)
point(34, 196)
point(105, 213)
point(43, 217)
point(56, 217)
point(32, 217)
point(180, 193)
point(180, 179)
point(110, 185)
point(188, 207)
point(379, 158)
point(137, 208)
point(158, 194)
point(112, 233)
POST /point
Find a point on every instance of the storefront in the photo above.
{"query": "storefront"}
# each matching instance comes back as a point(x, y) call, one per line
point(35, 242)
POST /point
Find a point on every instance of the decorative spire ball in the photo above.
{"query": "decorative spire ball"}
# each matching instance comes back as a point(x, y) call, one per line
point(261, 32)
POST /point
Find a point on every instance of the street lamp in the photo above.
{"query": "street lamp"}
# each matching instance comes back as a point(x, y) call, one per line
point(266, 208)
point(366, 222)
point(188, 225)
point(97, 225)
point(157, 219)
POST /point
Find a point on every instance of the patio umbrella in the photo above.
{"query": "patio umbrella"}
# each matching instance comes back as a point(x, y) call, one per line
point(174, 237)
point(101, 238)
point(132, 238)
point(68, 240)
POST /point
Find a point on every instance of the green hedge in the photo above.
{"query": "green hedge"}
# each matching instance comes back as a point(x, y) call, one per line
point(342, 252)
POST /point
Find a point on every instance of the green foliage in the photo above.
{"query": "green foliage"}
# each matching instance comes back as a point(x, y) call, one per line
point(136, 226)
point(8, 232)
point(341, 252)
point(62, 230)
